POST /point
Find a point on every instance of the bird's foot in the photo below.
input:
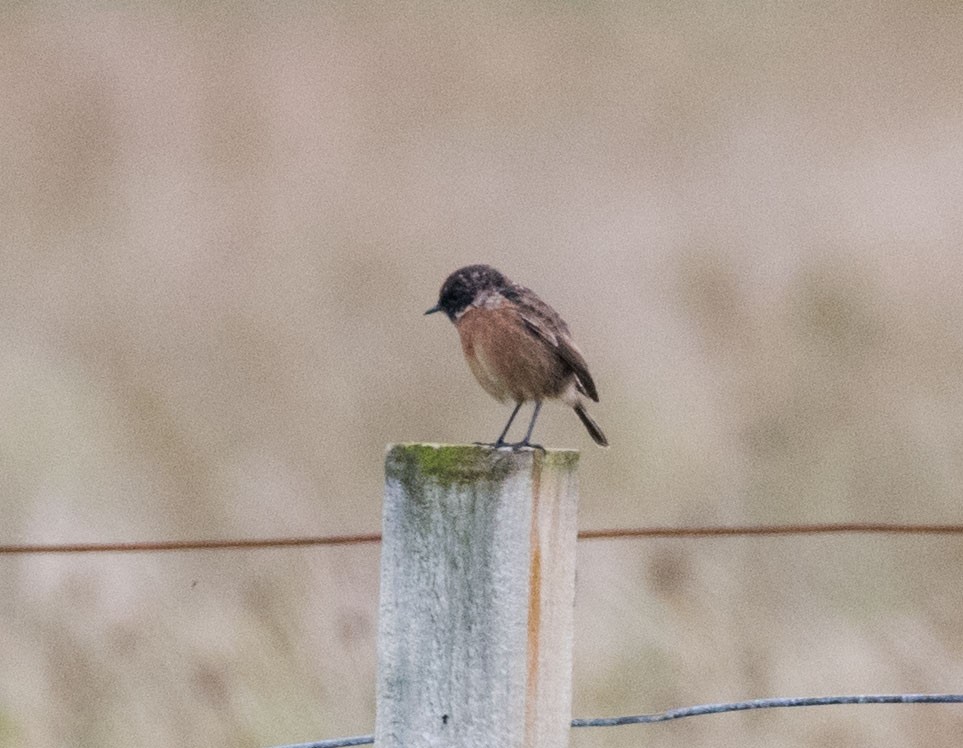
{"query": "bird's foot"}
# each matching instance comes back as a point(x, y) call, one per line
point(514, 446)
point(525, 444)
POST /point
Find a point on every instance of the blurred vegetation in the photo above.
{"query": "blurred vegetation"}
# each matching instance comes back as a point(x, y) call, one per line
point(222, 222)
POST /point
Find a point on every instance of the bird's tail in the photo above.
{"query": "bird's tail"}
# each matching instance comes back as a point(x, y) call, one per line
point(593, 428)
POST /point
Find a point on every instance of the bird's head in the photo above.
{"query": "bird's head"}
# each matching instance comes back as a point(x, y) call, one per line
point(468, 286)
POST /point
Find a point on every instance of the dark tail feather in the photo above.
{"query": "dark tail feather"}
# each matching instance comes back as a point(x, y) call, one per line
point(593, 428)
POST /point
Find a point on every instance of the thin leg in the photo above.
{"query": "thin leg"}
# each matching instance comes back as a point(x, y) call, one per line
point(501, 437)
point(531, 427)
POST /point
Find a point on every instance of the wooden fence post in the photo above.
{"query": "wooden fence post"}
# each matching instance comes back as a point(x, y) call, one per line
point(477, 594)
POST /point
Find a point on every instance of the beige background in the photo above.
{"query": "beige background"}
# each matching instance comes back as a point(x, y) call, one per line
point(220, 225)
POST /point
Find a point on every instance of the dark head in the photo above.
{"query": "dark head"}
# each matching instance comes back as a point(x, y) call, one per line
point(462, 287)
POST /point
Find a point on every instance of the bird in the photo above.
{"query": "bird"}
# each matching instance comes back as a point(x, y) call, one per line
point(517, 346)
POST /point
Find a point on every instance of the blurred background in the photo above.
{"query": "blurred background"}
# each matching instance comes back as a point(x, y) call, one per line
point(220, 224)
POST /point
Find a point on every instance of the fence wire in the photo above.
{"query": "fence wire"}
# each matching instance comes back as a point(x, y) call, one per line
point(601, 534)
point(703, 709)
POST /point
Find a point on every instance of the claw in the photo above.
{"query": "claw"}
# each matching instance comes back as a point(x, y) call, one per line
point(525, 445)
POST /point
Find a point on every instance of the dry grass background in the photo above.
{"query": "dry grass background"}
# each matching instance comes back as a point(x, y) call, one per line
point(222, 222)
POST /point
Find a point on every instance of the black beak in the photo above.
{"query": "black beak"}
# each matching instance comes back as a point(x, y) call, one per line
point(435, 308)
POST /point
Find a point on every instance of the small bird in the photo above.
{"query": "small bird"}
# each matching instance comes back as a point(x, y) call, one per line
point(517, 346)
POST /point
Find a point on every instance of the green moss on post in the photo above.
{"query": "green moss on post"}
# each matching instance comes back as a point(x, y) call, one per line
point(462, 464)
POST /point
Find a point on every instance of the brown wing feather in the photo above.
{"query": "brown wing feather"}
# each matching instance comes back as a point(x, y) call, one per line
point(545, 322)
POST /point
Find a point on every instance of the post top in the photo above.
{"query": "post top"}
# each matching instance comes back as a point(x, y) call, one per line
point(461, 463)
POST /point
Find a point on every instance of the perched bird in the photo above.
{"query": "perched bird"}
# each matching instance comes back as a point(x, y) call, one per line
point(517, 346)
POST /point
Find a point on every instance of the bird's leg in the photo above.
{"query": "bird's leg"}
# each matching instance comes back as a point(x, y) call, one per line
point(531, 427)
point(501, 437)
point(500, 442)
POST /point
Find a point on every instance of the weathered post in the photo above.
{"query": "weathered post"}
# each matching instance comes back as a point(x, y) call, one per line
point(477, 594)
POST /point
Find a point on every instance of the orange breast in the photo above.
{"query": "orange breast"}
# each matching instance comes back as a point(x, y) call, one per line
point(508, 361)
